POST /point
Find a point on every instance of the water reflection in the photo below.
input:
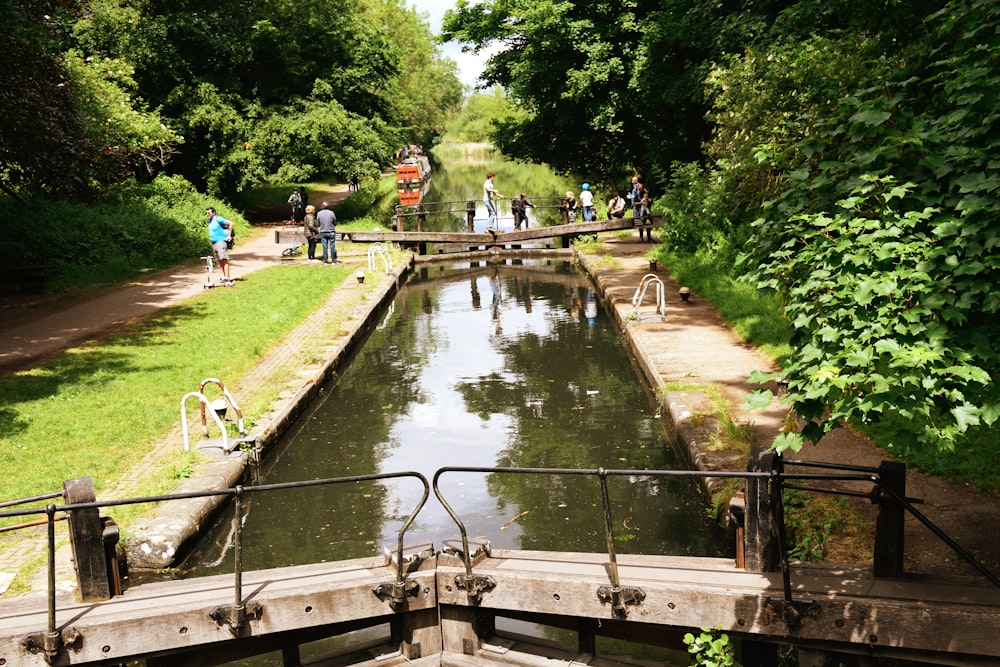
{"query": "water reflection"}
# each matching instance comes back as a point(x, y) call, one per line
point(477, 365)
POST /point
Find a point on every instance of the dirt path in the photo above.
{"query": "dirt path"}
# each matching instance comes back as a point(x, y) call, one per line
point(34, 327)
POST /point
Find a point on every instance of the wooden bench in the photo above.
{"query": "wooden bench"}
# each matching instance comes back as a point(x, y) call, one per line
point(24, 278)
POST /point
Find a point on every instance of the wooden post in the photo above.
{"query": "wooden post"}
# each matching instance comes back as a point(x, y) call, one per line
point(87, 538)
point(419, 633)
point(889, 523)
point(564, 210)
point(421, 217)
point(463, 629)
point(760, 534)
point(516, 213)
point(470, 215)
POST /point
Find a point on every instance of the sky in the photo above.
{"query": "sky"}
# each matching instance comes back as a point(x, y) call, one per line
point(469, 65)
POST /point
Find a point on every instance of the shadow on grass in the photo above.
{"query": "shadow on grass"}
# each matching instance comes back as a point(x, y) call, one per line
point(94, 362)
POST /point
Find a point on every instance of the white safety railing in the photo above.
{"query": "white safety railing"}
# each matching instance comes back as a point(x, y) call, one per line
point(376, 251)
point(640, 295)
point(216, 408)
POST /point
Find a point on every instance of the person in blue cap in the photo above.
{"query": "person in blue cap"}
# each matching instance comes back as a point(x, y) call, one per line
point(587, 202)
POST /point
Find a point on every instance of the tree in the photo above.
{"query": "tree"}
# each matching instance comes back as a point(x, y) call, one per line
point(69, 125)
point(884, 243)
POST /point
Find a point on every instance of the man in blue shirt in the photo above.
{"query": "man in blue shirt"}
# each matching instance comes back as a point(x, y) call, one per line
point(220, 232)
point(328, 233)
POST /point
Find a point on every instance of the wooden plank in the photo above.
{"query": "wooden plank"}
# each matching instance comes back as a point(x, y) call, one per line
point(500, 238)
point(172, 615)
point(86, 537)
point(853, 607)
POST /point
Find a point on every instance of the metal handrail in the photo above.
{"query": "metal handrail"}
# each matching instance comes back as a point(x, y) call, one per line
point(428, 208)
point(776, 475)
point(640, 295)
point(376, 251)
point(235, 615)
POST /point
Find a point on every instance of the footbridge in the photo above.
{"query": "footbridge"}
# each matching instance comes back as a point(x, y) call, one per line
point(410, 225)
point(454, 603)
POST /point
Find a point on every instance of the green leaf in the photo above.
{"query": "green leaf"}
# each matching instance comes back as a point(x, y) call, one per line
point(871, 117)
point(759, 400)
point(965, 416)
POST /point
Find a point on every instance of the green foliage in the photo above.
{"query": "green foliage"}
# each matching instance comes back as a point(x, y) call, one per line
point(694, 204)
point(814, 521)
point(372, 205)
point(131, 141)
point(884, 245)
point(711, 648)
point(479, 113)
point(229, 94)
point(144, 227)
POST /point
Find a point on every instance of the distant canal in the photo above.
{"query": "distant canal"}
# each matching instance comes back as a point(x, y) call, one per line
point(476, 364)
point(458, 175)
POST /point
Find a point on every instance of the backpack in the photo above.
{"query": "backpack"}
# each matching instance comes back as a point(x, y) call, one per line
point(232, 237)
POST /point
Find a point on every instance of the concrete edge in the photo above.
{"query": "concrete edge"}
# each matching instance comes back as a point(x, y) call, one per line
point(156, 541)
point(690, 436)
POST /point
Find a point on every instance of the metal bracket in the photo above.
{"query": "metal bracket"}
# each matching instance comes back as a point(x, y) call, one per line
point(52, 643)
point(620, 598)
point(396, 592)
point(791, 611)
point(475, 585)
point(236, 617)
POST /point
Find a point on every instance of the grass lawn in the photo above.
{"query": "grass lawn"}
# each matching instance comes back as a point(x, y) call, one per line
point(97, 409)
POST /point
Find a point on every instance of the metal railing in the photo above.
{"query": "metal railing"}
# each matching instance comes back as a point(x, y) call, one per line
point(237, 614)
point(648, 280)
point(621, 597)
point(405, 214)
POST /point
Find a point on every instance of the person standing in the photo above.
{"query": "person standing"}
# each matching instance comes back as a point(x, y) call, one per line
point(311, 228)
point(297, 200)
point(570, 207)
point(489, 193)
point(631, 195)
point(640, 202)
point(220, 233)
point(328, 233)
point(587, 202)
point(522, 211)
point(616, 207)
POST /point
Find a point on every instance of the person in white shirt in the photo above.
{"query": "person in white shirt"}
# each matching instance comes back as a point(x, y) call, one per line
point(616, 207)
point(587, 202)
point(489, 192)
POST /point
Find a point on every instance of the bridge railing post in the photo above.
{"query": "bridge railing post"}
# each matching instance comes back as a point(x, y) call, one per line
point(421, 217)
point(761, 546)
point(470, 215)
point(889, 532)
point(87, 538)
